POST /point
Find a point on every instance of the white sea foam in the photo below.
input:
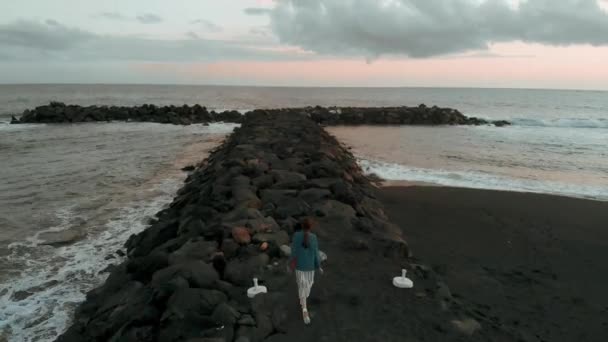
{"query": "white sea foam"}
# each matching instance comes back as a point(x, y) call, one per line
point(70, 271)
point(479, 180)
point(8, 127)
point(562, 122)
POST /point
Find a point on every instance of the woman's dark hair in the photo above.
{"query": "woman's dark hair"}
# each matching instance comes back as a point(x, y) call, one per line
point(306, 224)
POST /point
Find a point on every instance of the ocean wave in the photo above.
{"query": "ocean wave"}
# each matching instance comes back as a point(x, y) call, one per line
point(563, 122)
point(480, 180)
point(58, 283)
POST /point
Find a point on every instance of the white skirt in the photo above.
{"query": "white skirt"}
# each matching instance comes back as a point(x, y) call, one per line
point(305, 279)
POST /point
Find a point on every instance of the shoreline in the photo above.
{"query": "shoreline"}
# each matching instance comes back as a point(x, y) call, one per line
point(40, 302)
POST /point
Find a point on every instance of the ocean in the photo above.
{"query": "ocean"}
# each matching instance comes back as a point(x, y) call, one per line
point(100, 182)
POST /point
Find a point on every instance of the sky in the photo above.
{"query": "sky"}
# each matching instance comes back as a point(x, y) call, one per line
point(432, 43)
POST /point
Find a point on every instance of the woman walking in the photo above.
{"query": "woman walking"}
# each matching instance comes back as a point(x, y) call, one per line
point(305, 260)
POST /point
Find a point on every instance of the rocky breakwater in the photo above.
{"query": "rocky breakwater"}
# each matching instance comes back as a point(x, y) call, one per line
point(186, 275)
point(57, 112)
point(421, 115)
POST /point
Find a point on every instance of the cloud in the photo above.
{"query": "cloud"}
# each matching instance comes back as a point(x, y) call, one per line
point(52, 41)
point(48, 36)
point(207, 25)
point(257, 11)
point(371, 28)
point(111, 16)
point(149, 18)
point(192, 35)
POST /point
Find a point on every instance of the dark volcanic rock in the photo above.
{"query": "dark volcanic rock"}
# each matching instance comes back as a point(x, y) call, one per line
point(186, 275)
point(57, 112)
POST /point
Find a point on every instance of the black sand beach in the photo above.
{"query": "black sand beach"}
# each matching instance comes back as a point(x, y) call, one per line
point(535, 264)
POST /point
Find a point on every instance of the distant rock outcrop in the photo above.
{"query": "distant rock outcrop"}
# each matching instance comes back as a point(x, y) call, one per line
point(57, 112)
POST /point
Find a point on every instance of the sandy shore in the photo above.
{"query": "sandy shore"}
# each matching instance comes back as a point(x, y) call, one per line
point(530, 263)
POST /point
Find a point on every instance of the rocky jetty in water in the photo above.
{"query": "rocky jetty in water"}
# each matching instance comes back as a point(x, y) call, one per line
point(57, 112)
point(186, 275)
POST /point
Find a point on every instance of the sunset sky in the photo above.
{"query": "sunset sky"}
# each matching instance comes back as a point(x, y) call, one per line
point(444, 43)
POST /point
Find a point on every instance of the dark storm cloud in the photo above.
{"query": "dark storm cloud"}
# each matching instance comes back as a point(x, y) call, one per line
point(371, 28)
point(51, 41)
point(207, 25)
point(149, 18)
point(257, 11)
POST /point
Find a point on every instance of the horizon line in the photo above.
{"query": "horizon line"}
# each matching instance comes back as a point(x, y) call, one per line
point(297, 86)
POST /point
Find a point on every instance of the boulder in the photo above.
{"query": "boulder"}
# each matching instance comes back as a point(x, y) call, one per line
point(242, 213)
point(188, 301)
point(191, 226)
point(225, 314)
point(333, 208)
point(313, 195)
point(293, 207)
point(194, 250)
point(287, 176)
point(285, 251)
point(197, 273)
point(241, 235)
point(142, 268)
point(277, 238)
point(263, 182)
point(229, 248)
point(262, 225)
point(242, 272)
point(276, 197)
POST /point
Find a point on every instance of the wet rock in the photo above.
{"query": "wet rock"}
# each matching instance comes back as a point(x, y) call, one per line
point(20, 295)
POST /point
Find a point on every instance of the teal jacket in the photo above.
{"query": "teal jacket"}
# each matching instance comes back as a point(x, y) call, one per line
point(307, 259)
